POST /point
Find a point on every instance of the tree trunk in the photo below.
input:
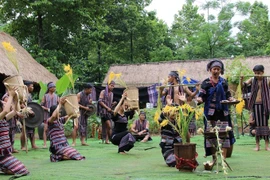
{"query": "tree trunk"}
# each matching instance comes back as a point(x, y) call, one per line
point(40, 31)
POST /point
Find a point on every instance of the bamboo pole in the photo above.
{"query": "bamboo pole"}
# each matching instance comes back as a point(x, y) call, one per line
point(177, 85)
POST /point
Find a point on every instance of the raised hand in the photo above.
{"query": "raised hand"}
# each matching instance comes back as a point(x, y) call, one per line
point(182, 97)
point(198, 87)
point(169, 100)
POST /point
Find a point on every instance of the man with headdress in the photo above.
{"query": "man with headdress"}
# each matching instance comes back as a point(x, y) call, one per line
point(30, 132)
point(140, 128)
point(214, 90)
point(50, 99)
point(105, 110)
point(259, 104)
point(176, 94)
point(84, 99)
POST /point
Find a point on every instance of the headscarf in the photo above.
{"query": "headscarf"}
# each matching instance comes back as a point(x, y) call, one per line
point(50, 85)
point(215, 63)
point(28, 83)
point(142, 112)
point(175, 75)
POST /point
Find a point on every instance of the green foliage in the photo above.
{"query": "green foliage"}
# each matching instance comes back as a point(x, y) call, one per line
point(254, 33)
point(236, 68)
point(62, 84)
point(43, 89)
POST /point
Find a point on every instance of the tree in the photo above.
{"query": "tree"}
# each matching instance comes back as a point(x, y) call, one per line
point(185, 30)
point(254, 34)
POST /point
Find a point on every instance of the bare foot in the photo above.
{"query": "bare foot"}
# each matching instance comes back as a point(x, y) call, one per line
point(267, 149)
point(15, 151)
point(44, 146)
point(73, 144)
point(107, 142)
point(122, 153)
point(35, 147)
point(23, 148)
point(84, 144)
point(256, 149)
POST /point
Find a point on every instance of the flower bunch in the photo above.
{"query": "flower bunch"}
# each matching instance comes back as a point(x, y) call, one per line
point(182, 116)
point(11, 54)
point(66, 81)
point(117, 78)
point(69, 74)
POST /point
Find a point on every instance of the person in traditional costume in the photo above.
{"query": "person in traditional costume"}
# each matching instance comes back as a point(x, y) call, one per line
point(84, 99)
point(59, 147)
point(8, 163)
point(140, 128)
point(50, 99)
point(168, 137)
point(120, 134)
point(214, 90)
point(259, 104)
point(105, 111)
point(12, 126)
point(30, 132)
point(175, 93)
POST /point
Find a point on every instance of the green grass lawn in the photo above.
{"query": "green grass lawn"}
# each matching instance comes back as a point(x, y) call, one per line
point(103, 162)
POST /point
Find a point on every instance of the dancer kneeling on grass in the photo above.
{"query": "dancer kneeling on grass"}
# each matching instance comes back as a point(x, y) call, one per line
point(168, 137)
point(59, 147)
point(8, 163)
point(120, 135)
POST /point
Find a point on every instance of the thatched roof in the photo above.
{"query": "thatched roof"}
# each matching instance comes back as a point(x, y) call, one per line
point(147, 74)
point(29, 68)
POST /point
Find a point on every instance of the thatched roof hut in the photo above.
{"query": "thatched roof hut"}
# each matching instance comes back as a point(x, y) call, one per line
point(29, 68)
point(146, 74)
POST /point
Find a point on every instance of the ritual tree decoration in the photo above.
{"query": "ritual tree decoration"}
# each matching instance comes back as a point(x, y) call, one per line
point(11, 54)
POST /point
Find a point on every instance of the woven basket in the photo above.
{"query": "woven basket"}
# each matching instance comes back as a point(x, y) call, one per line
point(72, 105)
point(133, 97)
point(17, 81)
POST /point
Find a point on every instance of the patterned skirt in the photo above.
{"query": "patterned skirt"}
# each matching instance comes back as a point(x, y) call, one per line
point(10, 163)
point(261, 122)
point(60, 153)
point(167, 148)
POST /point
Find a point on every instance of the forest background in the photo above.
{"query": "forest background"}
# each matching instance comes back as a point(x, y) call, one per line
point(92, 35)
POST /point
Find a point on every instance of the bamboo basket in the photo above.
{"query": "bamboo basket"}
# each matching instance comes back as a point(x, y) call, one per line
point(72, 105)
point(133, 97)
point(17, 81)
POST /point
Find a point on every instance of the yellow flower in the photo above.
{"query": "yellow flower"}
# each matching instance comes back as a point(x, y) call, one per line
point(67, 68)
point(8, 47)
point(167, 109)
point(182, 72)
point(199, 113)
point(157, 115)
point(188, 79)
point(111, 77)
point(69, 73)
point(164, 123)
point(240, 106)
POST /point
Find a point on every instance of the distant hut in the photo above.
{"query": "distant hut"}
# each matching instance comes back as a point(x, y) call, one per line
point(146, 75)
point(29, 68)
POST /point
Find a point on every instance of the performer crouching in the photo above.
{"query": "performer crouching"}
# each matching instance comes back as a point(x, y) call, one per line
point(168, 137)
point(59, 147)
point(120, 135)
point(8, 163)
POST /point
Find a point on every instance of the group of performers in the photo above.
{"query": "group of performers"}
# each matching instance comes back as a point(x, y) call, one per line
point(212, 92)
point(115, 116)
